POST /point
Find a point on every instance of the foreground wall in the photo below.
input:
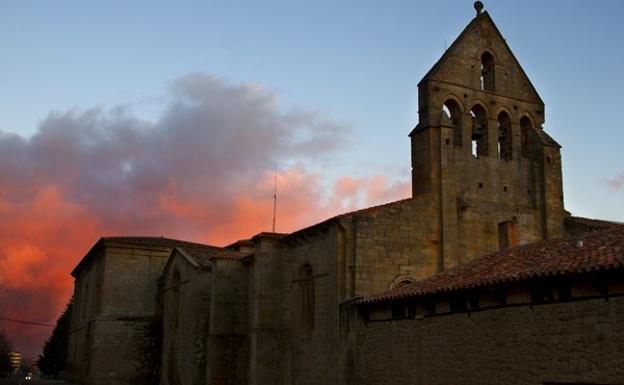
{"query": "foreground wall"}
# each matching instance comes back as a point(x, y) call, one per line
point(564, 343)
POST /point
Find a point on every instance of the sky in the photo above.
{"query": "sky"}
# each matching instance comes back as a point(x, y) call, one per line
point(172, 118)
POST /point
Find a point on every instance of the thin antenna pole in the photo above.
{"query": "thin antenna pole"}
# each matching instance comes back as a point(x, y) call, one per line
point(274, 198)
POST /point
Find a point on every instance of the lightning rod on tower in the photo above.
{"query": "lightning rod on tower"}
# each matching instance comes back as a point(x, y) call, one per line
point(274, 197)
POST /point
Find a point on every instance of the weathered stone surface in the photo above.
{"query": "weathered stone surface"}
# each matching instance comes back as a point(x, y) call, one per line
point(574, 342)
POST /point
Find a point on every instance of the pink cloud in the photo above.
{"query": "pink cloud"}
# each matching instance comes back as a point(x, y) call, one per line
point(202, 172)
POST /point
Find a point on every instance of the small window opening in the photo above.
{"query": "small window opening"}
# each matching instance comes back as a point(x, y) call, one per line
point(473, 301)
point(453, 112)
point(542, 293)
point(507, 234)
point(306, 298)
point(504, 137)
point(429, 306)
point(479, 135)
point(458, 304)
point(399, 311)
point(85, 301)
point(564, 292)
point(487, 72)
point(175, 300)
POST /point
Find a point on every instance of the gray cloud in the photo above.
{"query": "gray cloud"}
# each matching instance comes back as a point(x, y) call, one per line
point(212, 141)
point(617, 182)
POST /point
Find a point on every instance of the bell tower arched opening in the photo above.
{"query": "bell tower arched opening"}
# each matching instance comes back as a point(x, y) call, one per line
point(525, 131)
point(504, 137)
point(453, 111)
point(487, 72)
point(479, 136)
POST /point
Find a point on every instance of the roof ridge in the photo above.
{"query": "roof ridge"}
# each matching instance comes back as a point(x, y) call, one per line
point(594, 220)
point(358, 211)
point(376, 207)
point(153, 238)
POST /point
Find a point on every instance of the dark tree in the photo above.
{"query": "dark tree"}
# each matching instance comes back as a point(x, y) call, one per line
point(54, 355)
point(5, 361)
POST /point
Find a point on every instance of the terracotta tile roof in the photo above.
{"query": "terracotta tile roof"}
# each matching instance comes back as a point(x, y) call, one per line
point(239, 244)
point(599, 250)
point(269, 235)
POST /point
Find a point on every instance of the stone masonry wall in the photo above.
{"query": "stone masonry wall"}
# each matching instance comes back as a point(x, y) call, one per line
point(390, 243)
point(514, 175)
point(312, 351)
point(267, 323)
point(87, 305)
point(126, 310)
point(228, 339)
point(574, 342)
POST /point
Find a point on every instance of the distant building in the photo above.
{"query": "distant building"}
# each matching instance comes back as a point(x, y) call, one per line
point(16, 361)
point(484, 277)
point(33, 365)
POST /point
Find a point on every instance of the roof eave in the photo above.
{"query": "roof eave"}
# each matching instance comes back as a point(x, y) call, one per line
point(86, 259)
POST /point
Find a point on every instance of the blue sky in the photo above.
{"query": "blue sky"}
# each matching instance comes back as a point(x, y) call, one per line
point(355, 62)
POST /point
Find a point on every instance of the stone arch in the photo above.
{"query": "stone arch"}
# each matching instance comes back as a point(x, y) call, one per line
point(306, 297)
point(487, 71)
point(400, 281)
point(454, 110)
point(505, 109)
point(504, 136)
point(479, 133)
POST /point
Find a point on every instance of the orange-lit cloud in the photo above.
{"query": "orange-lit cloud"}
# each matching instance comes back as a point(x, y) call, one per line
point(202, 172)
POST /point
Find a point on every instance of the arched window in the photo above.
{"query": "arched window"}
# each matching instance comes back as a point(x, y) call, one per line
point(525, 130)
point(306, 298)
point(479, 131)
point(175, 300)
point(487, 72)
point(504, 137)
point(453, 111)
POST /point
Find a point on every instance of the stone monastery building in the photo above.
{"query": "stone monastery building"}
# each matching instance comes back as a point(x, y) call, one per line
point(481, 277)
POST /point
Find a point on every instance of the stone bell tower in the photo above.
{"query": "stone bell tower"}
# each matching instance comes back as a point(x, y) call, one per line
point(480, 151)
